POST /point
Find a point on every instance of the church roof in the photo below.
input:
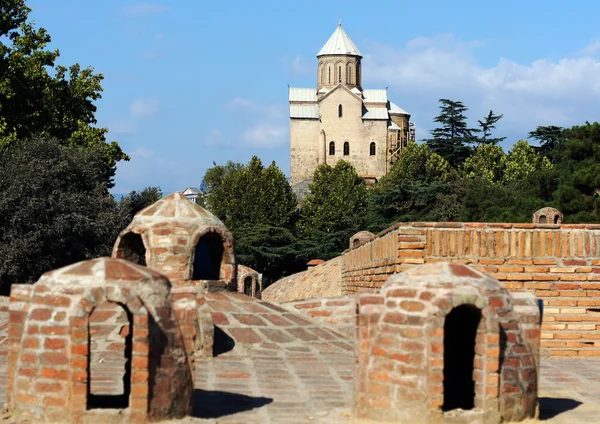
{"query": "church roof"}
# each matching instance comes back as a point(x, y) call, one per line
point(375, 96)
point(302, 94)
point(375, 113)
point(339, 43)
point(396, 110)
point(305, 111)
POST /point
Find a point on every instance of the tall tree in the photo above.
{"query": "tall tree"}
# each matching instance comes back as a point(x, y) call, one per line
point(452, 139)
point(54, 209)
point(523, 161)
point(213, 177)
point(38, 97)
point(487, 125)
point(548, 137)
point(488, 163)
point(333, 208)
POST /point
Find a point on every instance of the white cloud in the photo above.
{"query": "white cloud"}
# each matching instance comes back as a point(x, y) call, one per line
point(257, 124)
point(144, 107)
point(266, 135)
point(240, 103)
point(543, 92)
point(142, 9)
point(143, 153)
point(591, 48)
point(122, 126)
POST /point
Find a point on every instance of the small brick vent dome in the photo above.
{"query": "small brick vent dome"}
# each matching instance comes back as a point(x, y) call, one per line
point(361, 237)
point(249, 281)
point(443, 340)
point(104, 306)
point(548, 216)
point(182, 240)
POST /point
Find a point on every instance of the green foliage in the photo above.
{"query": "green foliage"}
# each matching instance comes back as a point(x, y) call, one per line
point(487, 125)
point(523, 161)
point(214, 176)
point(54, 210)
point(334, 205)
point(548, 137)
point(452, 139)
point(577, 165)
point(40, 98)
point(135, 201)
point(253, 195)
point(418, 162)
point(488, 162)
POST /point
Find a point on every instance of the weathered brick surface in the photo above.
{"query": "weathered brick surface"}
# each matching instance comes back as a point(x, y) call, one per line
point(338, 313)
point(106, 316)
point(324, 280)
point(170, 230)
point(557, 263)
point(401, 366)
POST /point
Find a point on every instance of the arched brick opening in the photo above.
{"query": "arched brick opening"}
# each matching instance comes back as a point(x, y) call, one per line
point(460, 334)
point(132, 248)
point(208, 257)
point(110, 336)
point(355, 242)
point(248, 286)
point(543, 219)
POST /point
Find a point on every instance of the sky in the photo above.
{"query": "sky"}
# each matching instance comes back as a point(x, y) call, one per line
point(191, 82)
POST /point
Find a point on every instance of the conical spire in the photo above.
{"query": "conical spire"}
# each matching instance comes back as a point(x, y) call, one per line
point(339, 44)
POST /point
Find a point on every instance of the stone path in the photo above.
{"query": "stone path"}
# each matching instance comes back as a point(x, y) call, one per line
point(307, 377)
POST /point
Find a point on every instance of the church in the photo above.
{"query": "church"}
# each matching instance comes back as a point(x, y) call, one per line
point(341, 120)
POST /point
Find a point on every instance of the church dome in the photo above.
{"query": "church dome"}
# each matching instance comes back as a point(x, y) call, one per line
point(339, 44)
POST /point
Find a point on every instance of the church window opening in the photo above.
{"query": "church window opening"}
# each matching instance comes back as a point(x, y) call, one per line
point(339, 111)
point(350, 75)
point(208, 257)
point(339, 74)
point(346, 148)
point(329, 76)
point(331, 148)
point(460, 331)
point(372, 149)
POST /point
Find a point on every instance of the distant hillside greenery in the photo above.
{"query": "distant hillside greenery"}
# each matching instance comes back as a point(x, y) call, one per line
point(459, 174)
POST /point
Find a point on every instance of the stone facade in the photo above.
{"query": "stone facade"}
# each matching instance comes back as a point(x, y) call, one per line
point(54, 327)
point(184, 241)
point(444, 343)
point(339, 120)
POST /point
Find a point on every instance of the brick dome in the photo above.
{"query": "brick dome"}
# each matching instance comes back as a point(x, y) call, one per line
point(182, 240)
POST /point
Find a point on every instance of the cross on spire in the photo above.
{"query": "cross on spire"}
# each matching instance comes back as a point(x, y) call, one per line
point(340, 20)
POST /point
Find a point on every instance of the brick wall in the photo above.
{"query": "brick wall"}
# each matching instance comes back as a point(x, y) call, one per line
point(560, 264)
point(338, 313)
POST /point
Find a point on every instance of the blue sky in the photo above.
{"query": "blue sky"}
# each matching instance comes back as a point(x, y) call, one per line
point(190, 82)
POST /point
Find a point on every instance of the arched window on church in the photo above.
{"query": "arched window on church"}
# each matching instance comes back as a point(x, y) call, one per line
point(350, 75)
point(331, 148)
point(339, 111)
point(346, 148)
point(340, 73)
point(372, 149)
point(329, 76)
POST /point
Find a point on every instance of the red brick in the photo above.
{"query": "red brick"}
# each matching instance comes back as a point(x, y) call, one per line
point(41, 314)
point(54, 344)
point(44, 387)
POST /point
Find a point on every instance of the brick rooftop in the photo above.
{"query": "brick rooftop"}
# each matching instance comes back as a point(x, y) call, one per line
point(308, 376)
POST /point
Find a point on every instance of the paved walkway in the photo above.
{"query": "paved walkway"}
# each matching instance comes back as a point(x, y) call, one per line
point(307, 377)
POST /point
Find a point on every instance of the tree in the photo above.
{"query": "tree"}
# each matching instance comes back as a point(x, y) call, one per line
point(334, 206)
point(253, 195)
point(418, 162)
point(413, 189)
point(487, 125)
point(451, 140)
point(54, 209)
point(38, 97)
point(523, 161)
point(577, 169)
point(488, 163)
point(548, 137)
point(135, 201)
point(214, 176)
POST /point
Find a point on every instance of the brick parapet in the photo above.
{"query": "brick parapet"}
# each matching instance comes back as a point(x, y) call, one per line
point(560, 264)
